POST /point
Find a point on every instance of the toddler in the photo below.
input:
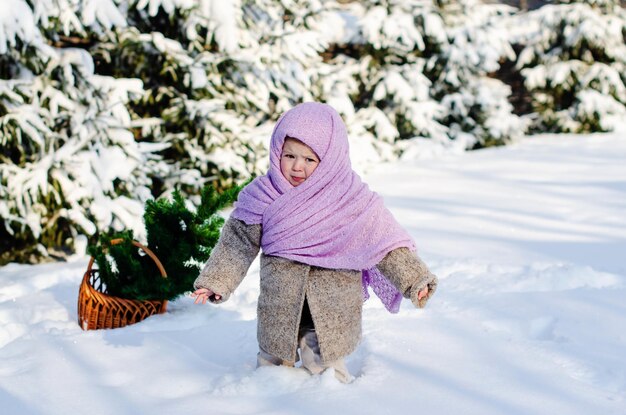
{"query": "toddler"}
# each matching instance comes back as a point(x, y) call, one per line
point(325, 236)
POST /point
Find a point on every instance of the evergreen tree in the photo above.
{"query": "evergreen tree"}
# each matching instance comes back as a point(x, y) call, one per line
point(71, 165)
point(409, 70)
point(375, 77)
point(107, 103)
point(477, 110)
point(180, 51)
point(573, 59)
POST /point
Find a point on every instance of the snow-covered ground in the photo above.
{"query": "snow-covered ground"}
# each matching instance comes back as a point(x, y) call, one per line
point(529, 242)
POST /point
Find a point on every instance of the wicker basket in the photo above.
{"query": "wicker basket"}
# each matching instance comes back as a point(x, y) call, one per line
point(98, 310)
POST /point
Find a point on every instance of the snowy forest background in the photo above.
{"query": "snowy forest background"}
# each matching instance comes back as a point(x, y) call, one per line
point(105, 104)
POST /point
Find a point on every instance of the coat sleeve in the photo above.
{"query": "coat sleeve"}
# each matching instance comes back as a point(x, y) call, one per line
point(408, 273)
point(237, 247)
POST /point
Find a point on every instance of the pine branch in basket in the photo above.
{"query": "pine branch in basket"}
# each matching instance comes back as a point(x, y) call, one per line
point(180, 238)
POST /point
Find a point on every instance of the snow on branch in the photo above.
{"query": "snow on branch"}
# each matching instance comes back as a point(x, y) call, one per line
point(17, 24)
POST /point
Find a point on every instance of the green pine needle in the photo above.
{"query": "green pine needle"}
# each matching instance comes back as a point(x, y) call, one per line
point(175, 235)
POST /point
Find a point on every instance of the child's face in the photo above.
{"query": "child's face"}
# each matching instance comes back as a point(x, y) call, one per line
point(297, 161)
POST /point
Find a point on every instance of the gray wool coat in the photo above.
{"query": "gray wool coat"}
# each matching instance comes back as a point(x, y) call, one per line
point(334, 296)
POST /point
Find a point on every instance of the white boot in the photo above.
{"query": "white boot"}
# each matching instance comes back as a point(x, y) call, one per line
point(265, 359)
point(312, 361)
point(310, 353)
point(341, 371)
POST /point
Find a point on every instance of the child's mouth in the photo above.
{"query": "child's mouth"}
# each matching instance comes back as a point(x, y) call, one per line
point(297, 179)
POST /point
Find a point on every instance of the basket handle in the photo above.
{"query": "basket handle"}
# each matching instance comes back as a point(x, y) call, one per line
point(140, 246)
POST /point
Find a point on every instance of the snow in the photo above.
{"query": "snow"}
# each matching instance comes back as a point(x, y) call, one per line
point(223, 16)
point(559, 53)
point(16, 22)
point(105, 12)
point(527, 240)
point(167, 5)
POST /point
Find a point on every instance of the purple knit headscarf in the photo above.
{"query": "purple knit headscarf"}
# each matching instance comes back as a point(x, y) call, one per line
point(332, 219)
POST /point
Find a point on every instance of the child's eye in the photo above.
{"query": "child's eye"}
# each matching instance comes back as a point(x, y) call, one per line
point(310, 160)
point(289, 156)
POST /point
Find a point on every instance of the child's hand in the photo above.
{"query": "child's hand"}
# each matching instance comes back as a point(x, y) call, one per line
point(203, 294)
point(423, 293)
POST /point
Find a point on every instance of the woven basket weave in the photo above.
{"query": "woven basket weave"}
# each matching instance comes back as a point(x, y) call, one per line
point(98, 310)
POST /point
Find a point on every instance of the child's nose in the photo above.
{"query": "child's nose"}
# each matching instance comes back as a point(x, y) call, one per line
point(298, 165)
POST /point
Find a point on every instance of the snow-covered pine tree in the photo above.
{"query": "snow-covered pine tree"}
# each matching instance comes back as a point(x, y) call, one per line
point(178, 93)
point(478, 112)
point(70, 164)
point(573, 59)
point(409, 70)
point(216, 75)
point(179, 50)
point(375, 75)
point(198, 82)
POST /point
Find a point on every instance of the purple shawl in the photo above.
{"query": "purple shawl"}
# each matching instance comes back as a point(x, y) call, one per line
point(331, 220)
